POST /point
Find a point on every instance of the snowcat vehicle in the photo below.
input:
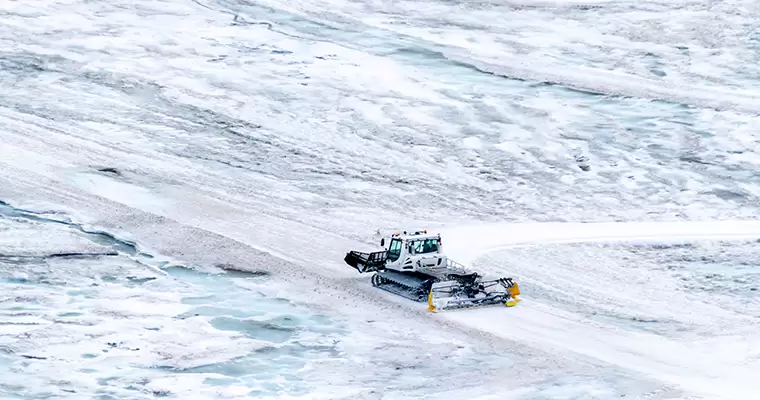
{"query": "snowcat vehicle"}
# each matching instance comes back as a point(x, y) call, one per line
point(414, 266)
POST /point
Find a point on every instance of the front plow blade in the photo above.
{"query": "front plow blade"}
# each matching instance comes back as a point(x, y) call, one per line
point(458, 294)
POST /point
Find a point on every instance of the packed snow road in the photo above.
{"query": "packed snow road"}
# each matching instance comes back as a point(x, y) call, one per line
point(272, 136)
point(675, 301)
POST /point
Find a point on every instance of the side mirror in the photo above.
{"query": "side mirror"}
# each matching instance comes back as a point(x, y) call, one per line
point(382, 242)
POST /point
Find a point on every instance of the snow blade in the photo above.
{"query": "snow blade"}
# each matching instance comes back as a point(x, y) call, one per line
point(462, 291)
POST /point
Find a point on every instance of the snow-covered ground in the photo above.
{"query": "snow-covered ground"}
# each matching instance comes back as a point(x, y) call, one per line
point(676, 301)
point(273, 136)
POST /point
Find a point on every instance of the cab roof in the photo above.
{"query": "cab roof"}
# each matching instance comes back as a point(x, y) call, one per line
point(423, 234)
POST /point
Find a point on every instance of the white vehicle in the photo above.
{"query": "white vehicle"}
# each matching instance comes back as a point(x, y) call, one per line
point(413, 265)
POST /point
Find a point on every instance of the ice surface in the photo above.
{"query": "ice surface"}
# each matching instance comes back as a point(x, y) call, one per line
point(274, 136)
point(19, 237)
point(132, 331)
point(210, 98)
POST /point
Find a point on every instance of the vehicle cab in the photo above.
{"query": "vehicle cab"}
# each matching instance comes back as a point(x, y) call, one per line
point(413, 251)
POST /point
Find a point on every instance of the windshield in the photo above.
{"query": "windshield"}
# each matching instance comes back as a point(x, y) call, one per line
point(425, 246)
point(394, 250)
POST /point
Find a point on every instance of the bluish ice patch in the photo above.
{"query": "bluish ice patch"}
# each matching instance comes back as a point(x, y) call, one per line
point(215, 311)
point(10, 393)
point(12, 280)
point(270, 371)
point(5, 361)
point(232, 307)
point(289, 336)
point(70, 314)
point(86, 293)
point(254, 329)
point(102, 238)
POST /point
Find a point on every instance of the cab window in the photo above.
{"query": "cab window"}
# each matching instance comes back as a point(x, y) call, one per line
point(425, 246)
point(394, 250)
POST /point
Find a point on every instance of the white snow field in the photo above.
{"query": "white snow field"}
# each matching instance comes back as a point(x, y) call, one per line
point(645, 296)
point(181, 179)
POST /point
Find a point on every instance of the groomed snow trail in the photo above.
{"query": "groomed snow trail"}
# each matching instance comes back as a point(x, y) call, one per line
point(467, 242)
point(719, 363)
